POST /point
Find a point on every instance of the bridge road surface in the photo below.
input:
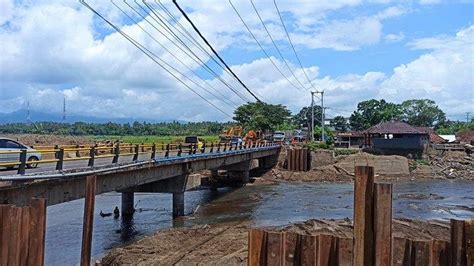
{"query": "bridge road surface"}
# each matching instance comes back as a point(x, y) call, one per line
point(69, 165)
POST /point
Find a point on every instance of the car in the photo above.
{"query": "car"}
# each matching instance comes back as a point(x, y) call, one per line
point(194, 140)
point(278, 136)
point(236, 141)
point(10, 145)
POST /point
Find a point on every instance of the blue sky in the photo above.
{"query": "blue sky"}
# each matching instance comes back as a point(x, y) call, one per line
point(354, 50)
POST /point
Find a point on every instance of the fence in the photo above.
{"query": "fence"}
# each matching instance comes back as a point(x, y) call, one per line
point(57, 154)
point(372, 242)
point(22, 231)
point(298, 159)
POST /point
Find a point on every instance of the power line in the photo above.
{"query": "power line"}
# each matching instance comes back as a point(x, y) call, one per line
point(192, 55)
point(213, 50)
point(229, 103)
point(161, 21)
point(152, 56)
point(185, 33)
point(274, 44)
point(291, 43)
point(261, 47)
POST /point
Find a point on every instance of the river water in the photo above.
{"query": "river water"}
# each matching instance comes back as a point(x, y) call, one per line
point(265, 205)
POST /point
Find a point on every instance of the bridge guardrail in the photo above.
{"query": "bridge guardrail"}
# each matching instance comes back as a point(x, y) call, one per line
point(115, 151)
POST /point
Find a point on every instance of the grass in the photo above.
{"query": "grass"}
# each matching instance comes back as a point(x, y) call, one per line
point(152, 139)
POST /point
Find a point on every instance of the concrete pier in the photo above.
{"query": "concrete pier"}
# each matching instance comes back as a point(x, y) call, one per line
point(128, 203)
point(178, 204)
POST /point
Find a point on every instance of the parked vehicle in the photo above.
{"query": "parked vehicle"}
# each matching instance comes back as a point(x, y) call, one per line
point(279, 136)
point(194, 140)
point(236, 140)
point(10, 145)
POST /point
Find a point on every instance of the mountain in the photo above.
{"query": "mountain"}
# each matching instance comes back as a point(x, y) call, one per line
point(19, 116)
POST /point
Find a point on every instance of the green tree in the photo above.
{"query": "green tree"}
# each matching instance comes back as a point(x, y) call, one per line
point(261, 116)
point(422, 112)
point(303, 117)
point(372, 112)
point(340, 124)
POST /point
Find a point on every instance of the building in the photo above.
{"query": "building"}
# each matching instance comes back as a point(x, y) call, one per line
point(434, 137)
point(396, 138)
point(349, 139)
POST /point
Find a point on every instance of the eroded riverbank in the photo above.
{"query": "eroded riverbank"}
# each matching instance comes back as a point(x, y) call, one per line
point(282, 204)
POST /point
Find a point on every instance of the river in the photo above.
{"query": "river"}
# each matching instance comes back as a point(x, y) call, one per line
point(265, 205)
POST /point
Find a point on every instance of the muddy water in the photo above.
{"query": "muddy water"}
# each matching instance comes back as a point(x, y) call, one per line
point(264, 205)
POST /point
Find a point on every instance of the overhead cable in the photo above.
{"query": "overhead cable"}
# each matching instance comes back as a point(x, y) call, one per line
point(275, 45)
point(214, 51)
point(261, 47)
point(292, 46)
point(185, 50)
point(222, 98)
point(153, 57)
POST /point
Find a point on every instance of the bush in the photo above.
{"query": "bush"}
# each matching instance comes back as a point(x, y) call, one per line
point(314, 145)
point(338, 152)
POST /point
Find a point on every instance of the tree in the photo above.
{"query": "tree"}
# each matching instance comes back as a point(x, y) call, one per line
point(422, 113)
point(261, 116)
point(372, 112)
point(340, 124)
point(303, 118)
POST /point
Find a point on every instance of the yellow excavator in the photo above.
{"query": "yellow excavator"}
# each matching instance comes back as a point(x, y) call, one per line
point(228, 134)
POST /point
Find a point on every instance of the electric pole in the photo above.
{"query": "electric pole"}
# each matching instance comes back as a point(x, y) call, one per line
point(312, 115)
point(322, 116)
point(64, 109)
point(28, 117)
point(467, 116)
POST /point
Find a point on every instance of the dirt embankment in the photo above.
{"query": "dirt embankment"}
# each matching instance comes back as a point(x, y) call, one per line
point(327, 168)
point(47, 140)
point(226, 244)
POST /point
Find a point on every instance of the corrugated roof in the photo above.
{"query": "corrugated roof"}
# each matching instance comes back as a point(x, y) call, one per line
point(394, 128)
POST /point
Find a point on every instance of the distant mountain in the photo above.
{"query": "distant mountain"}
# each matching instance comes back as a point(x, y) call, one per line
point(19, 116)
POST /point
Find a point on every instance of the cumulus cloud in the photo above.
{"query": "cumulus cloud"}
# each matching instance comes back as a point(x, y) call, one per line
point(445, 73)
point(53, 50)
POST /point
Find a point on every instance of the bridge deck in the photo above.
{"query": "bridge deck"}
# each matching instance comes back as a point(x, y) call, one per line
point(69, 184)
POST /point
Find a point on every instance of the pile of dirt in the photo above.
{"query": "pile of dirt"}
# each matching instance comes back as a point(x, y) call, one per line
point(47, 140)
point(341, 169)
point(226, 244)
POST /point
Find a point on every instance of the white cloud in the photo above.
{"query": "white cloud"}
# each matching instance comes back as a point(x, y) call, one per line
point(55, 49)
point(394, 37)
point(445, 74)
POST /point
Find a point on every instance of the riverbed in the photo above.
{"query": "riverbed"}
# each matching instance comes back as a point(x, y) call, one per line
point(264, 205)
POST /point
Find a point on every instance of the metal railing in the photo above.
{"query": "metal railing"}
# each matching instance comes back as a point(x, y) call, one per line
point(59, 154)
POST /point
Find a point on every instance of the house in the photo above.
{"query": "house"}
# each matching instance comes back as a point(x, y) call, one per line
point(434, 137)
point(465, 137)
point(349, 139)
point(396, 138)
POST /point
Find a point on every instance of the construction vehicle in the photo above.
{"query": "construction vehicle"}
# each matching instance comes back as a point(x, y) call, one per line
point(230, 133)
point(253, 136)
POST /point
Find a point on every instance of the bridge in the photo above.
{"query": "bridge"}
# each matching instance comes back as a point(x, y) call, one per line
point(165, 168)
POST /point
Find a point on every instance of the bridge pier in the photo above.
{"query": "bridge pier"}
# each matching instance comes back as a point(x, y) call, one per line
point(128, 205)
point(240, 171)
point(178, 204)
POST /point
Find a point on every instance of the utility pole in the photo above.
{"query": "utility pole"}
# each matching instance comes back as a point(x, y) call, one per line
point(28, 117)
point(64, 109)
point(322, 116)
point(312, 115)
point(467, 116)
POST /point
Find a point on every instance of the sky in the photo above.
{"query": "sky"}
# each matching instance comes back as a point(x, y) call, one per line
point(352, 50)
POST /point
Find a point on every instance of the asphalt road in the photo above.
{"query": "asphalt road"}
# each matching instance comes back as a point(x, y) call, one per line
point(68, 165)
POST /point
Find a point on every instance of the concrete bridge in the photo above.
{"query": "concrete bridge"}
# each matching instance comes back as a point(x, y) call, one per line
point(169, 174)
